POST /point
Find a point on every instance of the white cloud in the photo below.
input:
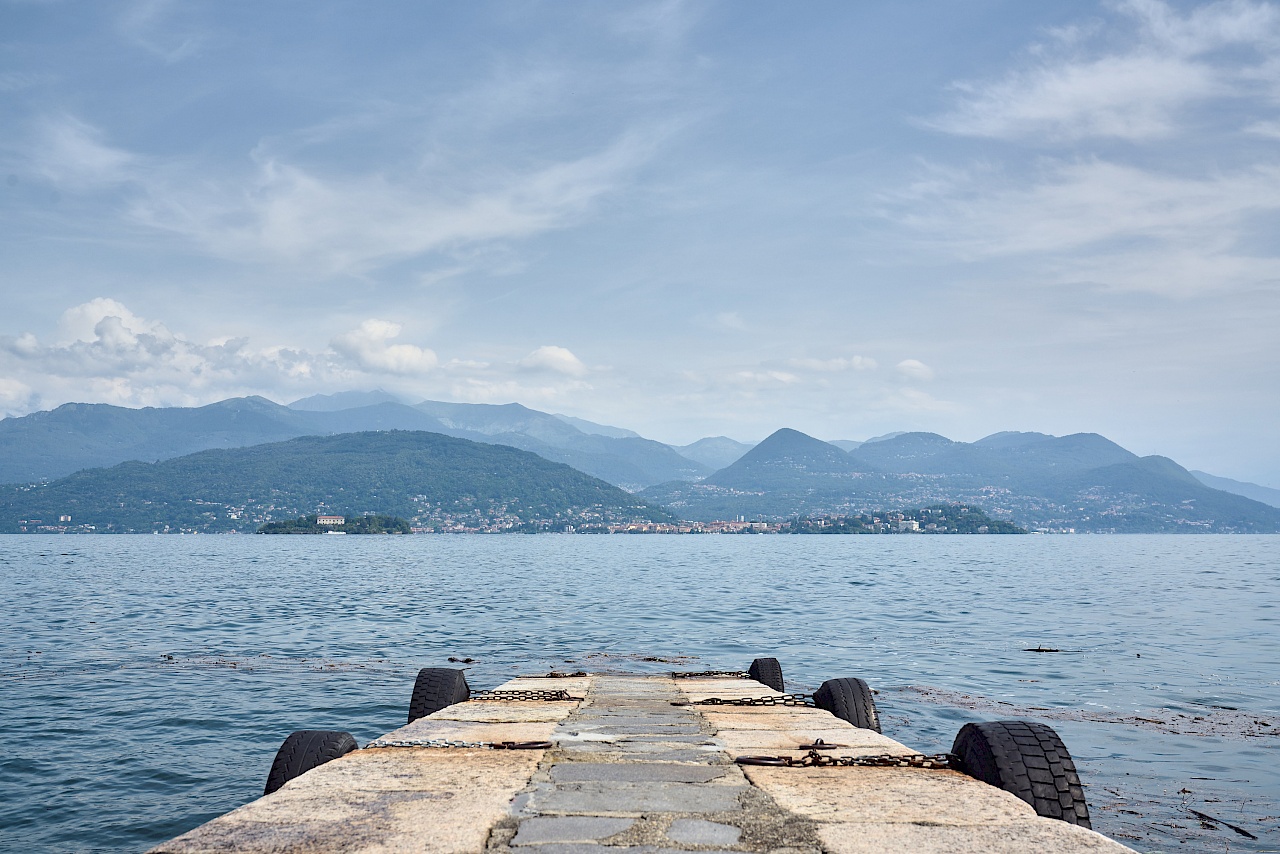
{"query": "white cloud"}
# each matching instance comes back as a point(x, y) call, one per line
point(853, 363)
point(369, 349)
point(1267, 129)
point(16, 398)
point(72, 155)
point(283, 211)
point(555, 359)
point(915, 369)
point(1070, 89)
point(1098, 217)
point(765, 377)
point(146, 23)
point(80, 323)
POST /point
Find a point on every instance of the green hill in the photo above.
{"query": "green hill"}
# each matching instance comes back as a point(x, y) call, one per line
point(433, 480)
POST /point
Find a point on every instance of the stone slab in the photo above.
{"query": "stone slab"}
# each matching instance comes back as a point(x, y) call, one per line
point(696, 831)
point(852, 742)
point(578, 686)
point(1042, 835)
point(635, 799)
point(505, 712)
point(569, 829)
point(647, 772)
point(432, 727)
point(888, 795)
point(775, 718)
point(379, 800)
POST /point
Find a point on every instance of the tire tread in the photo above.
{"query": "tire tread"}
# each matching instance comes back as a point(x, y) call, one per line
point(435, 689)
point(306, 749)
point(1028, 760)
point(850, 700)
point(767, 671)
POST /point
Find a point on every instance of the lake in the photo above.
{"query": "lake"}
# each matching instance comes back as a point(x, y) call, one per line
point(147, 680)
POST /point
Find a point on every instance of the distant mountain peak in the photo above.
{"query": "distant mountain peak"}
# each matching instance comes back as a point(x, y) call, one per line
point(341, 400)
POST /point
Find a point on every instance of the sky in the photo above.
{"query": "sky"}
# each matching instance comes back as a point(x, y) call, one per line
point(713, 217)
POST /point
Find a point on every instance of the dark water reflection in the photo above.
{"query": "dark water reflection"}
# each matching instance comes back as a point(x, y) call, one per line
point(147, 681)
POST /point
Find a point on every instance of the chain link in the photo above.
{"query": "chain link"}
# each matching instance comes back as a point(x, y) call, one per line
point(777, 700)
point(705, 674)
point(521, 695)
point(445, 742)
point(814, 759)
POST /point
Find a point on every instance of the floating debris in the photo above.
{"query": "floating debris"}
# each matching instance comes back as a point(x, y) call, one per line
point(1222, 721)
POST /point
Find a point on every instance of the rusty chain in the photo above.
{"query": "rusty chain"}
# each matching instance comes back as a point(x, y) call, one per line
point(814, 759)
point(445, 742)
point(776, 700)
point(521, 695)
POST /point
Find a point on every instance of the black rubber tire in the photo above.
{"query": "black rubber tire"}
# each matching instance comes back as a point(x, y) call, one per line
point(304, 750)
point(767, 671)
point(849, 700)
point(435, 689)
point(1027, 759)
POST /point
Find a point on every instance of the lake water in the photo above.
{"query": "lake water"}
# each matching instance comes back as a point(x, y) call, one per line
point(146, 682)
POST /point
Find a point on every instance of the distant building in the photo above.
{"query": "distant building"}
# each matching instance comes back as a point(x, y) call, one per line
point(908, 525)
point(64, 518)
point(331, 520)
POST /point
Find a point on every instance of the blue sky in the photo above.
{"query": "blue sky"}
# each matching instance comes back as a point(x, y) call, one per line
point(685, 218)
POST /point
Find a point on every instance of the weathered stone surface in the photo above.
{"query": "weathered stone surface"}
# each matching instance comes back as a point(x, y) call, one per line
point(649, 772)
point(694, 831)
point(635, 771)
point(376, 801)
point(569, 829)
point(635, 799)
point(432, 727)
point(853, 741)
point(774, 718)
point(1042, 835)
point(888, 795)
point(512, 712)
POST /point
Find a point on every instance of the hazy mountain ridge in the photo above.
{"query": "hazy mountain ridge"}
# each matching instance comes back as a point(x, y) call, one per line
point(430, 478)
point(1080, 482)
point(77, 436)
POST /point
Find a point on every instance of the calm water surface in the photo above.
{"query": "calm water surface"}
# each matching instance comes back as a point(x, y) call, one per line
point(146, 682)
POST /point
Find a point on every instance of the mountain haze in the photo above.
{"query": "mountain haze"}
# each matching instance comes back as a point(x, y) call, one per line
point(1083, 482)
point(429, 478)
point(76, 436)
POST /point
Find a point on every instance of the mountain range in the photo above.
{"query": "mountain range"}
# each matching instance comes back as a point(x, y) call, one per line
point(435, 481)
point(1082, 482)
point(76, 436)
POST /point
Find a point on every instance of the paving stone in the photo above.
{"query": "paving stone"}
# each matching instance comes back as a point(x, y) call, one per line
point(639, 729)
point(636, 798)
point(1037, 834)
point(649, 772)
point(648, 752)
point(568, 829)
point(695, 831)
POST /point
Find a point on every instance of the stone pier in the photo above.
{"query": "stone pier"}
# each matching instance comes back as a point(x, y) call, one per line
point(635, 767)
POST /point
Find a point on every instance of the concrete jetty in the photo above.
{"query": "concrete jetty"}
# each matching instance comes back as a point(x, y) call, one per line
point(635, 766)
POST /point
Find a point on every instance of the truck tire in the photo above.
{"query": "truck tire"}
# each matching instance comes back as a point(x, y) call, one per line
point(1027, 759)
point(767, 671)
point(436, 688)
point(304, 750)
point(849, 700)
